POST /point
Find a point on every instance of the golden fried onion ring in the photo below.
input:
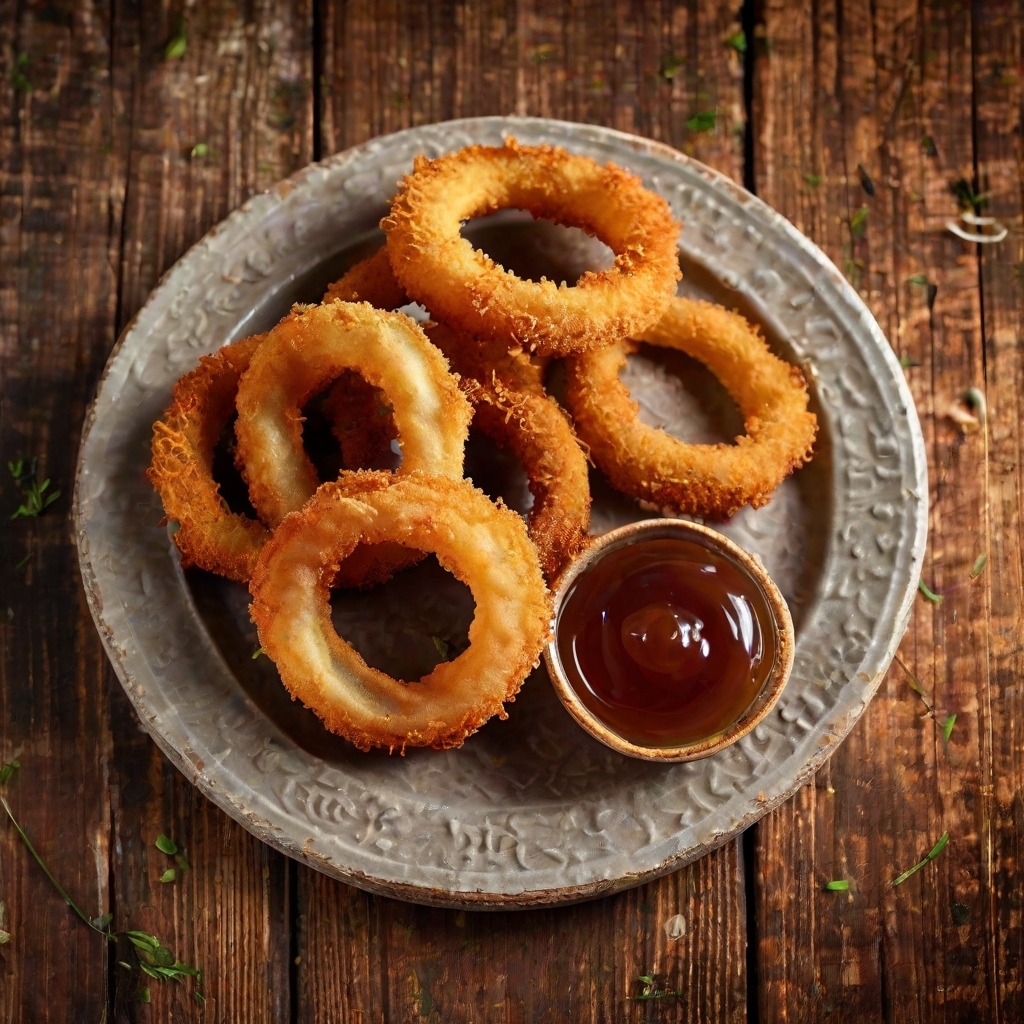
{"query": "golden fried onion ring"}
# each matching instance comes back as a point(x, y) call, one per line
point(713, 480)
point(311, 347)
point(465, 289)
point(512, 408)
point(209, 534)
point(482, 544)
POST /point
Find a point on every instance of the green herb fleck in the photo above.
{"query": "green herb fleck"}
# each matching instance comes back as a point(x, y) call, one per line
point(961, 914)
point(912, 682)
point(200, 149)
point(930, 594)
point(840, 885)
point(670, 67)
point(182, 861)
point(165, 845)
point(703, 121)
point(144, 995)
point(24, 561)
point(17, 74)
point(918, 280)
point(441, 645)
point(649, 990)
point(546, 51)
point(738, 41)
point(907, 362)
point(102, 921)
point(169, 875)
point(7, 771)
point(865, 180)
point(928, 145)
point(966, 196)
point(935, 851)
point(814, 180)
point(34, 498)
point(858, 222)
point(257, 653)
point(947, 727)
point(176, 47)
point(5, 936)
point(979, 566)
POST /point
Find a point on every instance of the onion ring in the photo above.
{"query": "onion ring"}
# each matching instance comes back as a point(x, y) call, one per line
point(712, 480)
point(512, 408)
point(311, 347)
point(481, 543)
point(209, 534)
point(464, 288)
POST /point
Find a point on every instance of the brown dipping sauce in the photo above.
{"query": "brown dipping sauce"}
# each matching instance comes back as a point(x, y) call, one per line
point(666, 641)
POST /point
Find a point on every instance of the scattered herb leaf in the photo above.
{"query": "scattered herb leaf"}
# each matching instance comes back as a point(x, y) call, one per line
point(840, 885)
point(930, 594)
point(961, 914)
point(126, 966)
point(257, 653)
point(918, 280)
point(441, 645)
point(24, 561)
point(176, 47)
point(33, 493)
point(738, 41)
point(966, 196)
point(935, 851)
point(928, 145)
point(649, 990)
point(144, 995)
point(165, 845)
point(182, 861)
point(912, 682)
point(5, 937)
point(200, 149)
point(865, 180)
point(858, 222)
point(703, 121)
point(906, 362)
point(155, 959)
point(814, 180)
point(947, 727)
point(169, 875)
point(17, 74)
point(979, 566)
point(670, 67)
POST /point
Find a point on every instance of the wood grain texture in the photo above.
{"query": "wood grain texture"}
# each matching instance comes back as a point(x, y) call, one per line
point(114, 159)
point(58, 210)
point(645, 68)
point(884, 91)
point(196, 135)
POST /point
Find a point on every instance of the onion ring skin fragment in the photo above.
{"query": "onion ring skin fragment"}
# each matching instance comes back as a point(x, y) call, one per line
point(482, 543)
point(306, 351)
point(209, 534)
point(466, 290)
point(512, 408)
point(712, 480)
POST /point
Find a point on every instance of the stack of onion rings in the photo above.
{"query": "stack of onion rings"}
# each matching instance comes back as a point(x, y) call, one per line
point(707, 480)
point(483, 544)
point(512, 408)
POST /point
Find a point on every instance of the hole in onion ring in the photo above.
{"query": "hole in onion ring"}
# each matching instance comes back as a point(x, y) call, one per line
point(226, 475)
point(533, 248)
point(497, 472)
point(681, 396)
point(410, 624)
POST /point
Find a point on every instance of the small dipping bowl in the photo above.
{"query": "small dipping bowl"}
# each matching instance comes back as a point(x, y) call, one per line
point(733, 707)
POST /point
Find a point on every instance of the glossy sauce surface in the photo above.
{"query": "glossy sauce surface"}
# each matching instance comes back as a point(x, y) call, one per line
point(666, 641)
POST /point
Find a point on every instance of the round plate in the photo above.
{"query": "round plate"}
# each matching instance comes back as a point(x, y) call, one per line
point(530, 810)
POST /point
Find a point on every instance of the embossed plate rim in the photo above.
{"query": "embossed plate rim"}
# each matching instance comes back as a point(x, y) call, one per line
point(250, 805)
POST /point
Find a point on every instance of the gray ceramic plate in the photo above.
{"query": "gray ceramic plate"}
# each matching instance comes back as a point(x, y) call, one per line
point(530, 810)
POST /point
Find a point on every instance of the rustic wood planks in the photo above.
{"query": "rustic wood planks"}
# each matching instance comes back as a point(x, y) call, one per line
point(114, 158)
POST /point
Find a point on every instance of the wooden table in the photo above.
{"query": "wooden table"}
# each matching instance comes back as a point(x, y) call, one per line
point(115, 157)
